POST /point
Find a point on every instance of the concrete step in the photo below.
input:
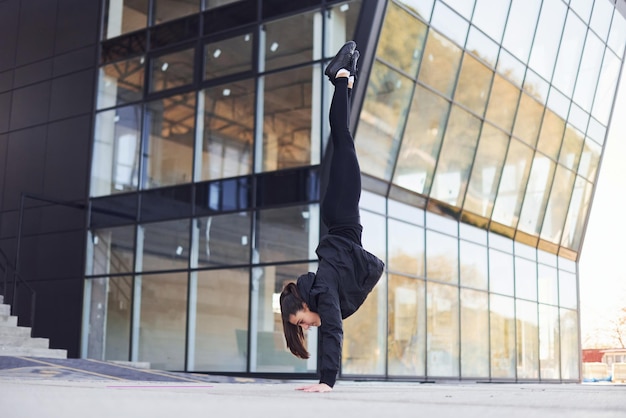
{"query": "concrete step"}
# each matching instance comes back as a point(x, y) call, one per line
point(18, 341)
point(5, 309)
point(14, 331)
point(8, 321)
point(33, 352)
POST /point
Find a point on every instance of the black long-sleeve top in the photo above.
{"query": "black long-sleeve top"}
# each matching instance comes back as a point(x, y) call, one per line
point(346, 274)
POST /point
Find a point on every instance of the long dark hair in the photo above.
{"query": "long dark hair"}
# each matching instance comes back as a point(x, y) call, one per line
point(290, 303)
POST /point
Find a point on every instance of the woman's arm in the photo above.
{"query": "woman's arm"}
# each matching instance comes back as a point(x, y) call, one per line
point(331, 333)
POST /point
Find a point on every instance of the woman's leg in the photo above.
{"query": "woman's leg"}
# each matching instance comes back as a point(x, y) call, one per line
point(340, 208)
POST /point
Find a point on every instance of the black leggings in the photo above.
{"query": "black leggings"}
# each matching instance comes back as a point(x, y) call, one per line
point(340, 207)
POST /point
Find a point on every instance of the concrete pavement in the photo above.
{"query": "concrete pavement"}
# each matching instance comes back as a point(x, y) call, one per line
point(65, 396)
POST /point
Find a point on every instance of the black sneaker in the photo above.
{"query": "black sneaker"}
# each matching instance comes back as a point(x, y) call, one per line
point(341, 60)
point(353, 69)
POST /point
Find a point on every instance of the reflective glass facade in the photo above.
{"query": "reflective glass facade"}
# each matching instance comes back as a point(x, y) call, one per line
point(479, 127)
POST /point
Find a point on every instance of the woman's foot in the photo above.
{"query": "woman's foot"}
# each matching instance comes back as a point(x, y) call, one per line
point(341, 61)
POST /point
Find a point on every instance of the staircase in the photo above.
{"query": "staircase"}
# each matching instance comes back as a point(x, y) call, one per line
point(16, 341)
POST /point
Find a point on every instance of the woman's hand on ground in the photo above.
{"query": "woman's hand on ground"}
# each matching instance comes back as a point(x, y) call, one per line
point(320, 387)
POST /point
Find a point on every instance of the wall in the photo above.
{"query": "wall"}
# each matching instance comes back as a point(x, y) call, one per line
point(48, 55)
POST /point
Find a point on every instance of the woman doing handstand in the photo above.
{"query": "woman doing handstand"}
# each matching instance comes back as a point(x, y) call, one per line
point(346, 273)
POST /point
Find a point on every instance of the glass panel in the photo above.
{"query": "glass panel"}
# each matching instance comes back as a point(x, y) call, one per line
point(617, 35)
point(442, 224)
point(365, 335)
point(228, 130)
point(472, 233)
point(582, 8)
point(536, 195)
point(548, 37)
point(577, 214)
point(165, 10)
point(570, 351)
point(588, 72)
point(113, 250)
point(223, 240)
point(511, 68)
point(286, 234)
point(421, 142)
point(407, 327)
point(450, 24)
point(520, 28)
point(455, 159)
point(172, 70)
point(500, 242)
point(578, 117)
point(590, 160)
point(548, 285)
point(572, 147)
point(289, 41)
point(463, 7)
point(527, 340)
point(441, 64)
point(115, 161)
point(512, 184)
point(474, 265)
point(109, 318)
point(490, 17)
point(482, 46)
point(528, 120)
point(168, 153)
point(525, 279)
point(601, 18)
point(442, 304)
point(221, 325)
point(549, 342)
point(442, 257)
point(551, 134)
point(163, 320)
point(486, 170)
point(525, 251)
point(402, 48)
point(558, 204)
point(501, 273)
point(366, 332)
point(536, 86)
point(596, 131)
point(473, 86)
point(474, 327)
point(502, 103)
point(125, 16)
point(568, 294)
point(268, 350)
point(382, 119)
point(559, 103)
point(120, 83)
point(422, 8)
point(288, 120)
point(406, 248)
point(569, 54)
point(165, 245)
point(403, 211)
point(228, 56)
point(607, 87)
point(502, 336)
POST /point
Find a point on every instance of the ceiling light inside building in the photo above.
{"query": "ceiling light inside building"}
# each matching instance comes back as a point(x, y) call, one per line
point(179, 250)
point(217, 53)
point(344, 8)
point(226, 92)
point(164, 66)
point(274, 46)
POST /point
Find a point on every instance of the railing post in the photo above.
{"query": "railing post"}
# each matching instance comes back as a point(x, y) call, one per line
point(16, 272)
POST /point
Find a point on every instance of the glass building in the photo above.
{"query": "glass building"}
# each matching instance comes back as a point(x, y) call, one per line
point(479, 125)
